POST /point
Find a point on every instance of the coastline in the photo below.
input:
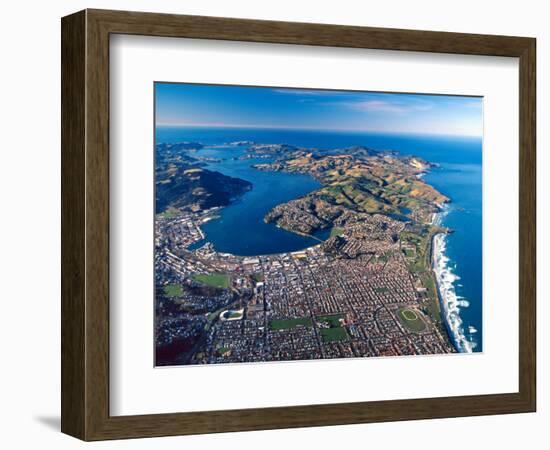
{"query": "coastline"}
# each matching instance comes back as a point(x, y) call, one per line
point(442, 306)
point(449, 302)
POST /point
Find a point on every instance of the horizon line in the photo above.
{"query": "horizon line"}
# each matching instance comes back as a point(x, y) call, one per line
point(284, 127)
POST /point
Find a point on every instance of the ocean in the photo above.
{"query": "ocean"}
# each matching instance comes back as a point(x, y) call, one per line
point(457, 256)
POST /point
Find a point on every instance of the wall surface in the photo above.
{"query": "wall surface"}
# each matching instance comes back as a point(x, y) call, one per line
point(30, 226)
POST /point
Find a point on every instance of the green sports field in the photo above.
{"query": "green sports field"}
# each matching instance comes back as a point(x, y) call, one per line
point(334, 334)
point(287, 324)
point(233, 315)
point(219, 280)
point(411, 319)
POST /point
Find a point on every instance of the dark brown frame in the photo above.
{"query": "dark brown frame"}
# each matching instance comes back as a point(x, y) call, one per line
point(85, 224)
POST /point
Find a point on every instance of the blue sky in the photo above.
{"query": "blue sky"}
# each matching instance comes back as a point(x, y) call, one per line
point(179, 104)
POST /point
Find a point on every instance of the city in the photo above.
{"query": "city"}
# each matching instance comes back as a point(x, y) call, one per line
point(365, 291)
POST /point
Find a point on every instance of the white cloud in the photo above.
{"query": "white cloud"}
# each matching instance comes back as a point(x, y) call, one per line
point(390, 107)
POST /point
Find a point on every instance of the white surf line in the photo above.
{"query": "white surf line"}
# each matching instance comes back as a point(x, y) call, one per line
point(451, 303)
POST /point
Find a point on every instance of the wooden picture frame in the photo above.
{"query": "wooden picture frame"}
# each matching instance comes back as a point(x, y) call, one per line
point(85, 224)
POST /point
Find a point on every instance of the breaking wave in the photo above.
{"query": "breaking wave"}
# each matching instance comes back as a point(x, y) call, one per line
point(451, 303)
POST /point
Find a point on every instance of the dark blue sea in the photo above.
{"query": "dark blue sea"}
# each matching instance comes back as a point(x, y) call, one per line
point(241, 230)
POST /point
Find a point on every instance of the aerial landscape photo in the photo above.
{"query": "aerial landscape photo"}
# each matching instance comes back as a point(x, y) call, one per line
point(304, 224)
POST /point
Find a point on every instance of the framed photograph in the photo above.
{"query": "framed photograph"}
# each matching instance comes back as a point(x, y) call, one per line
point(273, 225)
